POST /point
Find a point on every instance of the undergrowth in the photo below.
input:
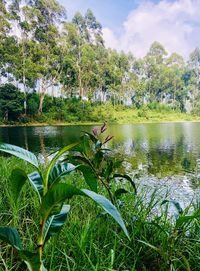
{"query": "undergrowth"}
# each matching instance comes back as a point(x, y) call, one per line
point(94, 242)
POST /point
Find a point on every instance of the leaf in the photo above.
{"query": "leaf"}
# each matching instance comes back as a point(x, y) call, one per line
point(58, 193)
point(32, 260)
point(158, 226)
point(11, 236)
point(98, 157)
point(176, 205)
point(128, 178)
point(18, 178)
point(119, 192)
point(186, 219)
point(55, 196)
point(55, 223)
point(36, 181)
point(89, 176)
point(97, 143)
point(59, 171)
point(56, 157)
point(91, 136)
point(149, 245)
point(20, 153)
point(108, 207)
point(77, 158)
point(108, 169)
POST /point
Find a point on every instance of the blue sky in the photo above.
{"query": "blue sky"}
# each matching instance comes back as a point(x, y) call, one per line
point(132, 25)
point(111, 13)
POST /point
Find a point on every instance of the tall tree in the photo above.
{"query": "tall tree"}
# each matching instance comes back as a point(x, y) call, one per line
point(89, 32)
point(45, 17)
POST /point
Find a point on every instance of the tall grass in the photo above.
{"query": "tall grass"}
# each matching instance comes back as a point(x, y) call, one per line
point(94, 242)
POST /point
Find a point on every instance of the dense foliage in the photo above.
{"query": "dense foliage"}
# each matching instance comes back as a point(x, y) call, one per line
point(41, 51)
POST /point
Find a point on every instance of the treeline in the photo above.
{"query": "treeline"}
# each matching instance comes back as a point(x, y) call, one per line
point(55, 109)
point(40, 51)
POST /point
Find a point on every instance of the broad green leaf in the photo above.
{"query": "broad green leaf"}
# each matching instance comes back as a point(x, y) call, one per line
point(20, 153)
point(32, 260)
point(36, 181)
point(55, 196)
point(59, 171)
point(89, 176)
point(55, 223)
point(11, 236)
point(119, 192)
point(56, 157)
point(84, 146)
point(18, 178)
point(126, 177)
point(108, 207)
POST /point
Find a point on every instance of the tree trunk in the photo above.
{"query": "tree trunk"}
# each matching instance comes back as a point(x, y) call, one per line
point(80, 83)
point(41, 103)
point(42, 95)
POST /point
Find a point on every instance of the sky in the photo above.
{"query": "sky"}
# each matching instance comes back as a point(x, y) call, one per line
point(133, 25)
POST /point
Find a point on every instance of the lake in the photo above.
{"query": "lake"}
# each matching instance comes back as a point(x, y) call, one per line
point(159, 150)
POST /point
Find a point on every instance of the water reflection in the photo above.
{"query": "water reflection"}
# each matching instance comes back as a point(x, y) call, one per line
point(162, 149)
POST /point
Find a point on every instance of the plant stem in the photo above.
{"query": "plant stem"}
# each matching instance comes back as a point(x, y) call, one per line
point(41, 243)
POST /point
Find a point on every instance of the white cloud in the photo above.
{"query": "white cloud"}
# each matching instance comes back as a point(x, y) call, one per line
point(175, 24)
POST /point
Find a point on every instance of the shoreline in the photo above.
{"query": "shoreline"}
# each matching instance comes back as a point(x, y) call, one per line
point(45, 124)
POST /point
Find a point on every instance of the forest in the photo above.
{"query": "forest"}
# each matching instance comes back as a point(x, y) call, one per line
point(48, 63)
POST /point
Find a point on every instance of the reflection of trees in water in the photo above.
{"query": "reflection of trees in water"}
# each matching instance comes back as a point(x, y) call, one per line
point(165, 149)
point(168, 158)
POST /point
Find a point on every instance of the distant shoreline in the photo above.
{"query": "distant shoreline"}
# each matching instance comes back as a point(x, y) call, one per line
point(95, 123)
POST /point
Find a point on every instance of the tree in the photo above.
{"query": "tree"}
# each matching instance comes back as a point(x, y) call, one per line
point(88, 33)
point(194, 66)
point(11, 102)
point(158, 52)
point(4, 29)
point(4, 24)
point(24, 66)
point(44, 18)
point(175, 60)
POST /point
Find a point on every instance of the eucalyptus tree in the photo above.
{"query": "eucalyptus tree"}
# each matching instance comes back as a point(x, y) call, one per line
point(194, 67)
point(44, 17)
point(24, 66)
point(93, 28)
point(4, 22)
point(4, 29)
point(175, 60)
point(69, 43)
point(153, 63)
point(89, 37)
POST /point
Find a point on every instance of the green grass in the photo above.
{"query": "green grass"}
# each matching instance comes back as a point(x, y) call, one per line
point(88, 113)
point(90, 242)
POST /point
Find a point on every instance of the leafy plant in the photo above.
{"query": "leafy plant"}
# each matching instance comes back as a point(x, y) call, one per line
point(98, 166)
point(52, 193)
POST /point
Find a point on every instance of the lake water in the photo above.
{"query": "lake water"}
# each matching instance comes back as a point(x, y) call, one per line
point(169, 152)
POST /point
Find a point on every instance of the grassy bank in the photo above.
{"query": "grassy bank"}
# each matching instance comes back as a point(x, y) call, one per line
point(87, 113)
point(94, 242)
